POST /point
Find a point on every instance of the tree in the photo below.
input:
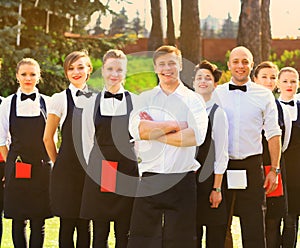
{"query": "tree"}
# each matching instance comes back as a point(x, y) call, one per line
point(189, 39)
point(190, 30)
point(250, 28)
point(266, 36)
point(43, 27)
point(156, 34)
point(119, 23)
point(229, 29)
point(255, 28)
point(170, 24)
point(136, 24)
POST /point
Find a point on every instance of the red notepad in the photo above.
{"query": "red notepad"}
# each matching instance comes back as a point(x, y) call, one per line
point(108, 176)
point(279, 190)
point(23, 170)
point(1, 158)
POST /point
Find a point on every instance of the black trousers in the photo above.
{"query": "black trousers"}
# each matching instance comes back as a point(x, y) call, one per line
point(290, 231)
point(66, 232)
point(215, 236)
point(250, 203)
point(101, 230)
point(37, 232)
point(166, 219)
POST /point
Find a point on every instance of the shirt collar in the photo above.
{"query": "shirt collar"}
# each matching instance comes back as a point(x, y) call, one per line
point(74, 89)
point(19, 92)
point(280, 99)
point(248, 83)
point(180, 90)
point(121, 90)
point(210, 103)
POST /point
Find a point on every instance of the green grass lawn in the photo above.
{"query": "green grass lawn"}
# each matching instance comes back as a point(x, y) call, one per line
point(52, 226)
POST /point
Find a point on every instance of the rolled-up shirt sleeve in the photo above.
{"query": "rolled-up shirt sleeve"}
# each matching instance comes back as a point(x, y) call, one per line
point(138, 102)
point(271, 125)
point(4, 120)
point(197, 118)
point(220, 137)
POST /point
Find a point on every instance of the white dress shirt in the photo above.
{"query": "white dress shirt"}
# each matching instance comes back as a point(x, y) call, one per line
point(182, 105)
point(59, 104)
point(220, 137)
point(248, 114)
point(290, 114)
point(26, 108)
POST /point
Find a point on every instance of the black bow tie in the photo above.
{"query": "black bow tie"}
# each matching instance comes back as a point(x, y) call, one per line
point(238, 87)
point(86, 94)
point(289, 103)
point(118, 96)
point(31, 96)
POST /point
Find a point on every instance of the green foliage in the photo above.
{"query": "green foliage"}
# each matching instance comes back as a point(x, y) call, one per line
point(46, 42)
point(288, 58)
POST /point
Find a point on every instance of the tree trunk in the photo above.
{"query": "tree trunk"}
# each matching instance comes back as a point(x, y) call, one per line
point(249, 34)
point(156, 34)
point(171, 40)
point(190, 30)
point(190, 44)
point(266, 36)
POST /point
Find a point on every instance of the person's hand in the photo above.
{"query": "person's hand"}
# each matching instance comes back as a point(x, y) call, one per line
point(215, 199)
point(271, 182)
point(145, 116)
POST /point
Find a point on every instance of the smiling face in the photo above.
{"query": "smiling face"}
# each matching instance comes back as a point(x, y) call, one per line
point(267, 77)
point(204, 83)
point(28, 74)
point(288, 82)
point(114, 73)
point(240, 65)
point(167, 67)
point(78, 72)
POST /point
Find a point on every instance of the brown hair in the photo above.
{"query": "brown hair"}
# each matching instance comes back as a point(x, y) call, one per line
point(28, 61)
point(74, 56)
point(264, 64)
point(165, 50)
point(211, 67)
point(114, 54)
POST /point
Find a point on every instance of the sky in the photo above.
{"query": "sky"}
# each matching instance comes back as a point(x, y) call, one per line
point(284, 15)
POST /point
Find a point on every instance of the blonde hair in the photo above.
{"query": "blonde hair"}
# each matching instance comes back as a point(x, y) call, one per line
point(114, 54)
point(289, 69)
point(29, 61)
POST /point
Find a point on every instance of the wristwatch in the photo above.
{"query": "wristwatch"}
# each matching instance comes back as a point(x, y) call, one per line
point(216, 189)
point(276, 170)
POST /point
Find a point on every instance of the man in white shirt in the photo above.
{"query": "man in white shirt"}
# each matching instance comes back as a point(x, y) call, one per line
point(168, 122)
point(249, 108)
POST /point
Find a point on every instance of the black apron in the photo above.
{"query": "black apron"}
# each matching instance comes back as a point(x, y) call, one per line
point(276, 206)
point(205, 214)
point(27, 198)
point(68, 174)
point(111, 144)
point(292, 165)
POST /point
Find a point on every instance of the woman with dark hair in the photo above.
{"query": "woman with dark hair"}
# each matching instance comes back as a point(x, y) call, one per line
point(68, 173)
point(213, 157)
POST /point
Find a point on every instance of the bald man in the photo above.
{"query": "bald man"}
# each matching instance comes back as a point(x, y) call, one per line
point(250, 108)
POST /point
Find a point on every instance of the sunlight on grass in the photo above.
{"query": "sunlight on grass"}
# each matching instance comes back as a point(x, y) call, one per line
point(52, 226)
